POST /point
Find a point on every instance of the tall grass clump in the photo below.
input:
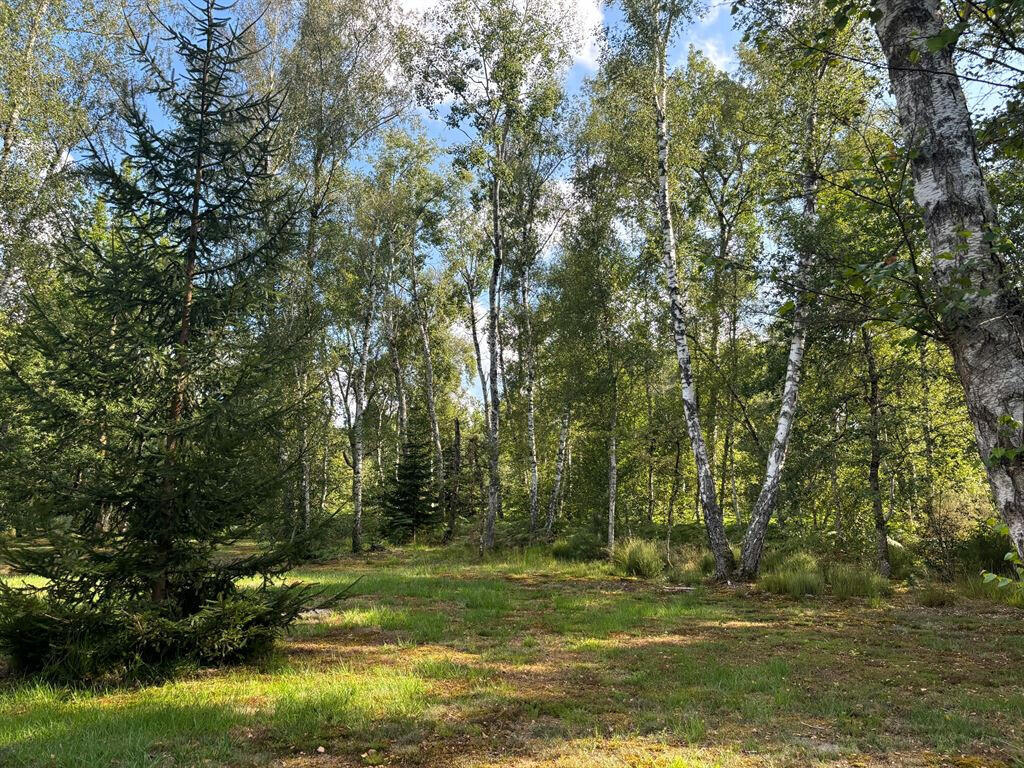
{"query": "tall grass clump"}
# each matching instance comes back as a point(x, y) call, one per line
point(637, 557)
point(853, 581)
point(936, 596)
point(797, 575)
point(976, 588)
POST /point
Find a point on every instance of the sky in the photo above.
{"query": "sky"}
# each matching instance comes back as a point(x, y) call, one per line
point(710, 32)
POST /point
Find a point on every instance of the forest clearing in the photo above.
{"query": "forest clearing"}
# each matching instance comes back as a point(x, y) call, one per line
point(438, 659)
point(463, 383)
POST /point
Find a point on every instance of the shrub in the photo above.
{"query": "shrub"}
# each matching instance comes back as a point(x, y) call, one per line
point(934, 596)
point(637, 557)
point(976, 588)
point(685, 574)
point(123, 641)
point(854, 581)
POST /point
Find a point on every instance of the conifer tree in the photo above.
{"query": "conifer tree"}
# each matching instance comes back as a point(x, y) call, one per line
point(409, 505)
point(148, 365)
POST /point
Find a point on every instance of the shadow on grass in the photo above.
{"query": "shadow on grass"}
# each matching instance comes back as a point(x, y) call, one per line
point(433, 668)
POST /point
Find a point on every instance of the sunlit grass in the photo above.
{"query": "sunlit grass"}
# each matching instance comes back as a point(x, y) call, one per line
point(437, 658)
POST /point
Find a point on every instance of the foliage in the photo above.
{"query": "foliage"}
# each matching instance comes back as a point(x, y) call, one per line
point(935, 596)
point(409, 506)
point(147, 363)
point(581, 545)
point(122, 641)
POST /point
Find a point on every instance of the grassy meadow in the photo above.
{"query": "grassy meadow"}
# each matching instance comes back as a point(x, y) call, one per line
point(438, 659)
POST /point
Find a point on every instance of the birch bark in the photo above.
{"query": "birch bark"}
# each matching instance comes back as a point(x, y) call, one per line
point(984, 327)
point(724, 560)
point(556, 491)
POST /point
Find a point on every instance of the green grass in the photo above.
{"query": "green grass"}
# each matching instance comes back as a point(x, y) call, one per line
point(437, 659)
point(796, 575)
point(637, 557)
point(854, 581)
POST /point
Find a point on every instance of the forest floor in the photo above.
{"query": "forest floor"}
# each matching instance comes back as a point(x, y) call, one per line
point(440, 660)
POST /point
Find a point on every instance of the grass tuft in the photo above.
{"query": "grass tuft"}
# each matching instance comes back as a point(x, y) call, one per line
point(935, 596)
point(853, 581)
point(637, 557)
point(796, 575)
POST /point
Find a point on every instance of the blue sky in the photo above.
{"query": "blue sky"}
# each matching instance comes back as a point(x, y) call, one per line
point(711, 32)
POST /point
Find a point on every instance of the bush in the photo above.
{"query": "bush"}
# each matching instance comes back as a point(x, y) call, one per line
point(123, 641)
point(854, 581)
point(637, 557)
point(796, 575)
point(934, 596)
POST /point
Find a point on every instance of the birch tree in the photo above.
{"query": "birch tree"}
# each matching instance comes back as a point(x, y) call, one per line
point(981, 324)
point(495, 62)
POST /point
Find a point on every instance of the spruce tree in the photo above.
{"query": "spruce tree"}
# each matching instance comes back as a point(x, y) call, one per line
point(148, 365)
point(409, 500)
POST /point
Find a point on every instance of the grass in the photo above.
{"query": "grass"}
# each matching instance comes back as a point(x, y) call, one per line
point(854, 581)
point(438, 659)
point(797, 575)
point(638, 557)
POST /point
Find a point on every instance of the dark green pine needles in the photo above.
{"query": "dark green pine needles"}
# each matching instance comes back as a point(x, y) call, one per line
point(151, 366)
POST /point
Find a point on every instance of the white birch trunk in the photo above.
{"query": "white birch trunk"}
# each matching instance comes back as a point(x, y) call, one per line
point(531, 424)
point(986, 336)
point(764, 507)
point(753, 542)
point(556, 491)
point(493, 316)
point(724, 560)
point(613, 467)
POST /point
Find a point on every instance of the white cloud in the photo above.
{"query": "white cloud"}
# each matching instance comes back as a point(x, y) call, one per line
point(590, 18)
point(718, 54)
point(713, 12)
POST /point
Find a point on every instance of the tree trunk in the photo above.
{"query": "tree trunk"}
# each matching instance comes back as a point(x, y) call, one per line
point(357, 478)
point(672, 497)
point(753, 542)
point(651, 447)
point(613, 467)
point(556, 490)
point(158, 589)
point(927, 430)
point(402, 406)
point(531, 428)
point(983, 326)
point(494, 423)
point(764, 507)
point(875, 462)
point(724, 560)
point(359, 395)
point(452, 498)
